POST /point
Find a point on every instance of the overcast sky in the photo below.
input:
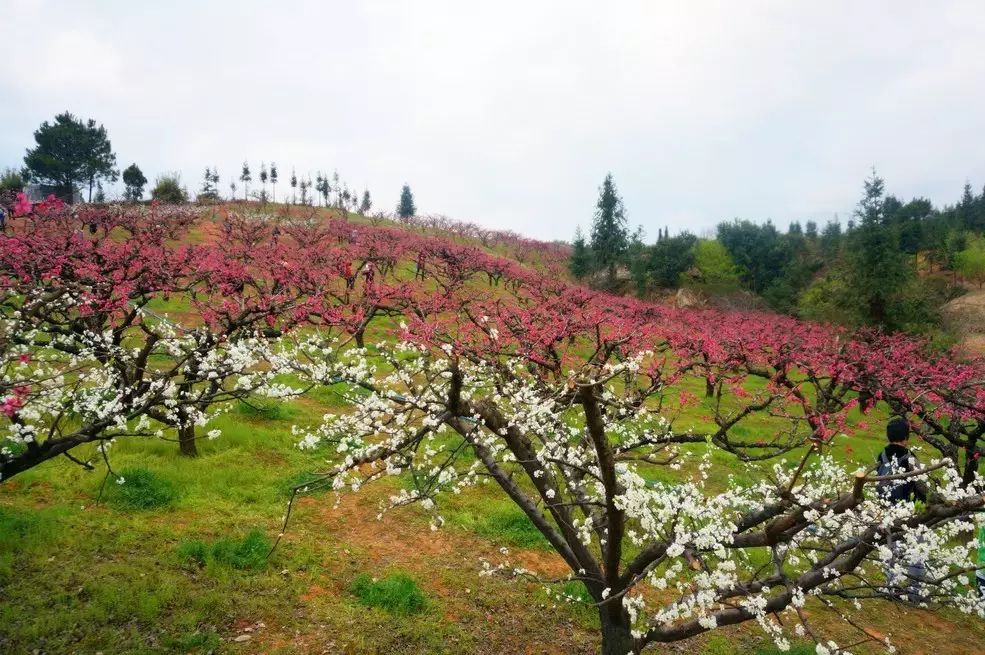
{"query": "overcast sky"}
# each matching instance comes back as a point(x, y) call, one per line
point(510, 113)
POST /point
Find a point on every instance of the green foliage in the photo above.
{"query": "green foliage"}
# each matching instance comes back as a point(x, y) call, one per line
point(580, 263)
point(397, 594)
point(249, 553)
point(367, 203)
point(140, 489)
point(70, 152)
point(715, 264)
point(210, 185)
point(168, 189)
point(824, 300)
point(12, 180)
point(970, 262)
point(759, 251)
point(135, 181)
point(406, 208)
point(876, 269)
point(668, 258)
point(610, 236)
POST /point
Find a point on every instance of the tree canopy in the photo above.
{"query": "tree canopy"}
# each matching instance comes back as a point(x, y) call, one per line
point(134, 180)
point(70, 153)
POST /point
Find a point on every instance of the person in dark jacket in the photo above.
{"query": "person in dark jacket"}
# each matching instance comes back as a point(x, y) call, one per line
point(896, 459)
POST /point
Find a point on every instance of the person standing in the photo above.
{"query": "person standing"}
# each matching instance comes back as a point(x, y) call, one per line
point(897, 459)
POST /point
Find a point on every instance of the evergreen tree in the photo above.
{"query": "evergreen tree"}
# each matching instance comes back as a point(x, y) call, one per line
point(367, 203)
point(831, 239)
point(609, 232)
point(966, 208)
point(273, 178)
point(580, 263)
point(263, 179)
point(319, 186)
point(210, 189)
point(245, 178)
point(406, 208)
point(100, 194)
point(294, 187)
point(877, 269)
point(810, 230)
point(70, 153)
point(134, 180)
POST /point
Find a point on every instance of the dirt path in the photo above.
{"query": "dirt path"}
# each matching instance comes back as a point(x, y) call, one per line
point(966, 316)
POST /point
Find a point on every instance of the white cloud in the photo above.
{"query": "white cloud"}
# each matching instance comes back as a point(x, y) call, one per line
point(510, 113)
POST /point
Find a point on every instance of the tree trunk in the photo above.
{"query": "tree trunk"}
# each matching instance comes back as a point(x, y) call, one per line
point(617, 639)
point(186, 440)
point(709, 388)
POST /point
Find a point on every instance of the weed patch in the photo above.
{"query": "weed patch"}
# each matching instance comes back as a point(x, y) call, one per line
point(248, 553)
point(140, 489)
point(397, 594)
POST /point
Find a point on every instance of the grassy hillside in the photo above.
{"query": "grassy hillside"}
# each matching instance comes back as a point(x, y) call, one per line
point(175, 558)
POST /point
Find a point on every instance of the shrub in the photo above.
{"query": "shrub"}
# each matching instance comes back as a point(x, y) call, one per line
point(396, 594)
point(140, 489)
point(168, 189)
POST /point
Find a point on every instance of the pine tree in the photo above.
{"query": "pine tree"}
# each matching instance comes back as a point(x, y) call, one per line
point(580, 263)
point(406, 208)
point(263, 179)
point(877, 267)
point(294, 187)
point(245, 178)
point(100, 194)
point(209, 190)
point(966, 209)
point(273, 178)
point(367, 203)
point(609, 232)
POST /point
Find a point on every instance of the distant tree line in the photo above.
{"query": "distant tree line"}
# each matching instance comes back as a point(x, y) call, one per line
point(71, 153)
point(892, 265)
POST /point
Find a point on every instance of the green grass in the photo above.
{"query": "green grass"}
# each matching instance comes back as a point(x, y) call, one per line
point(139, 489)
point(396, 594)
point(511, 526)
point(127, 577)
point(248, 553)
